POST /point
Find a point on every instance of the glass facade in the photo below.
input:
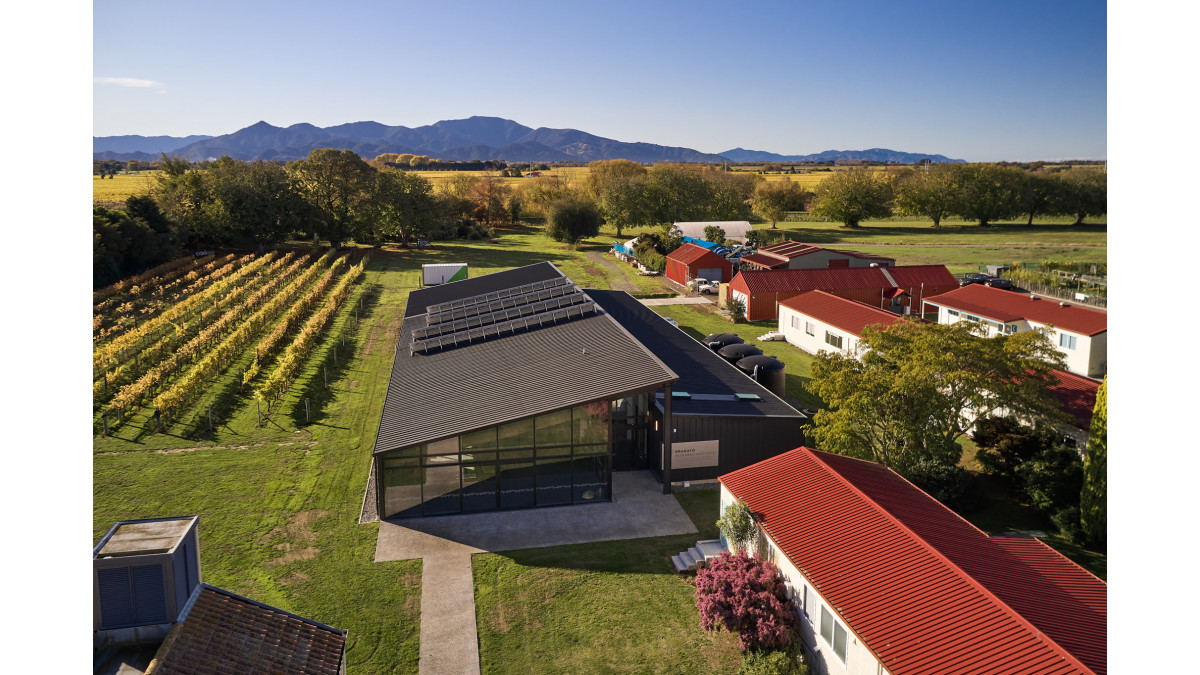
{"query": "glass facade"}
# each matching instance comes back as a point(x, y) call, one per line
point(561, 457)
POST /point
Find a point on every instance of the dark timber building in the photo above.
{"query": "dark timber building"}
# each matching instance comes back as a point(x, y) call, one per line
point(518, 389)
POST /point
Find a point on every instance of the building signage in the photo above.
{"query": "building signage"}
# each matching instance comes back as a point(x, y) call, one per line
point(694, 454)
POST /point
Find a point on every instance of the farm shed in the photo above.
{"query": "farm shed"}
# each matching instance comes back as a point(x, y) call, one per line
point(696, 262)
point(734, 229)
point(890, 580)
point(821, 322)
point(1080, 333)
point(518, 389)
point(794, 255)
point(763, 290)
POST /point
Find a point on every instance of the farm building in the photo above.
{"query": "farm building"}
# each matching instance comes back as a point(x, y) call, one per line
point(888, 580)
point(518, 389)
point(1080, 333)
point(895, 289)
point(794, 255)
point(821, 322)
point(734, 229)
point(696, 262)
point(150, 605)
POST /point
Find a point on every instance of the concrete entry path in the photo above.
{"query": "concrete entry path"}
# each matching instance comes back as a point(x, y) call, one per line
point(449, 641)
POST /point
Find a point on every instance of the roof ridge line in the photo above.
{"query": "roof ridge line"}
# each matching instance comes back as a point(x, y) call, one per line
point(972, 581)
point(604, 312)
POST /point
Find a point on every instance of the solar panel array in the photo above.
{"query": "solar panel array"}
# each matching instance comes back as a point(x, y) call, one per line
point(481, 317)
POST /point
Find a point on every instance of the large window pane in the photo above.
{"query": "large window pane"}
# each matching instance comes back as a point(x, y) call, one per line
point(400, 480)
point(443, 451)
point(839, 641)
point(591, 478)
point(826, 625)
point(440, 490)
point(479, 446)
point(516, 485)
point(516, 439)
point(554, 428)
point(590, 423)
point(553, 481)
point(479, 487)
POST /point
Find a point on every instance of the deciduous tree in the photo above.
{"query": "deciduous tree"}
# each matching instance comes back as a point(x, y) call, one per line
point(849, 197)
point(987, 192)
point(774, 200)
point(930, 192)
point(338, 185)
point(1093, 504)
point(1084, 193)
point(573, 220)
point(402, 206)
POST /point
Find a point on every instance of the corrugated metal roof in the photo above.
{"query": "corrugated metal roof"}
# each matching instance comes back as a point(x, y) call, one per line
point(1077, 394)
point(701, 371)
point(690, 253)
point(772, 281)
point(923, 589)
point(422, 298)
point(226, 633)
point(794, 249)
point(847, 315)
point(440, 394)
point(764, 260)
point(1003, 306)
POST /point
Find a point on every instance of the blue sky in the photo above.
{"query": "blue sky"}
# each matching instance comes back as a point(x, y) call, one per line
point(981, 81)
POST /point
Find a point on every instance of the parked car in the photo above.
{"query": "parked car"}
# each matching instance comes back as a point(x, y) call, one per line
point(773, 336)
point(997, 282)
point(709, 288)
point(973, 278)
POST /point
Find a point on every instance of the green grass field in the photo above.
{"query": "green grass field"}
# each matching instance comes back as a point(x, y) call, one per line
point(278, 505)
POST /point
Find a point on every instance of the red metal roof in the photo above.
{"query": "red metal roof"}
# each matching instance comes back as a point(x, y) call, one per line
point(226, 633)
point(1003, 306)
point(763, 260)
point(923, 589)
point(1077, 394)
point(690, 253)
point(794, 249)
point(772, 281)
point(847, 315)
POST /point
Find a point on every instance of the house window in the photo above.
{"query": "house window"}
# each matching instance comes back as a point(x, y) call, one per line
point(833, 340)
point(1066, 341)
point(952, 312)
point(972, 317)
point(1011, 329)
point(795, 321)
point(833, 633)
point(810, 328)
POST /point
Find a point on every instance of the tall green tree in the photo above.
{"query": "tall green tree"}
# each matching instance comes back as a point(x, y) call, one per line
point(1039, 195)
point(572, 220)
point(929, 192)
point(402, 207)
point(849, 197)
point(773, 200)
point(1084, 192)
point(1093, 500)
point(988, 192)
point(623, 203)
point(914, 389)
point(338, 185)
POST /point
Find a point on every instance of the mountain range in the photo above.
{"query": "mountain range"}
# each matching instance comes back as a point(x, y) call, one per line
point(477, 138)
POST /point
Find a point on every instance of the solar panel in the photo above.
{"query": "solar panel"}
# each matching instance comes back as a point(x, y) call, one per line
point(453, 314)
point(498, 294)
point(492, 330)
point(574, 298)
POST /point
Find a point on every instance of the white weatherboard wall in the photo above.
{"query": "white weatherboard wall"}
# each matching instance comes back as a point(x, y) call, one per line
point(859, 659)
point(1089, 357)
point(794, 324)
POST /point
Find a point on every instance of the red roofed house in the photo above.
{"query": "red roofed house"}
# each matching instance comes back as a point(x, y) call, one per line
point(896, 289)
point(696, 262)
point(794, 255)
point(821, 322)
point(888, 580)
point(1080, 333)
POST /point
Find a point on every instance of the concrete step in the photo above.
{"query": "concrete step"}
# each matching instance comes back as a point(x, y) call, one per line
point(696, 556)
point(678, 564)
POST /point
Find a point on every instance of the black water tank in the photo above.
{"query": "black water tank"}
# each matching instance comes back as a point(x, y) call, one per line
point(737, 352)
point(768, 370)
point(718, 340)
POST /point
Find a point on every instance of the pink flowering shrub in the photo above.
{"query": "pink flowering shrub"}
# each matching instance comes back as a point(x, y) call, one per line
point(745, 595)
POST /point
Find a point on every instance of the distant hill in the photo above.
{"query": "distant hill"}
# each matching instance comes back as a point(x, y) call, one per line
point(459, 140)
point(872, 155)
point(152, 145)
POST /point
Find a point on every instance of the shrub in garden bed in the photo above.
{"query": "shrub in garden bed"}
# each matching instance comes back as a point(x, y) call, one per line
point(744, 594)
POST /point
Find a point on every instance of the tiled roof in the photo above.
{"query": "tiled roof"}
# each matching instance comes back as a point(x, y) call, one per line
point(772, 281)
point(924, 590)
point(847, 315)
point(512, 376)
point(1003, 306)
point(690, 253)
point(223, 633)
point(764, 260)
point(1077, 394)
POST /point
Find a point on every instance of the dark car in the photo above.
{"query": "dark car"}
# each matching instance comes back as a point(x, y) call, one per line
point(973, 278)
point(997, 282)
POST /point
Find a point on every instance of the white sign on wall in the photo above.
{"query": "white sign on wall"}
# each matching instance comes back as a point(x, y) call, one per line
point(694, 454)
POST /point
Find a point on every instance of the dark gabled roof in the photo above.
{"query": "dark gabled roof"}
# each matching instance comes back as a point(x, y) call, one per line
point(923, 589)
point(221, 632)
point(710, 379)
point(512, 376)
point(421, 298)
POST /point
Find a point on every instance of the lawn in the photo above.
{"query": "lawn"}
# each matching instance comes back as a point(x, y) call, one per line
point(608, 607)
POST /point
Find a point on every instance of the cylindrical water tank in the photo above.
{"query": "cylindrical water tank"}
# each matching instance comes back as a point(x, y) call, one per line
point(768, 370)
point(736, 352)
point(718, 340)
